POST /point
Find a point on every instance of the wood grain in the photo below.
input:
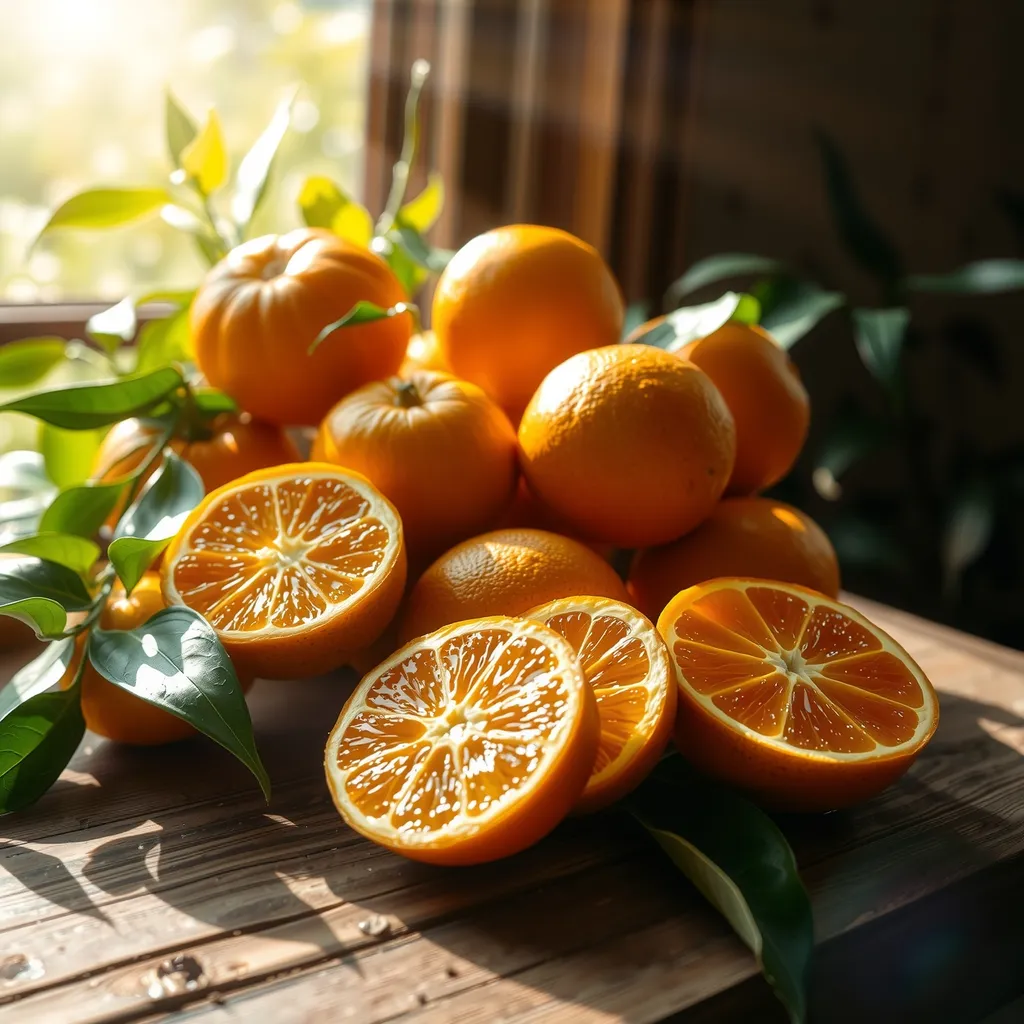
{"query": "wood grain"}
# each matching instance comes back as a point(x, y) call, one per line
point(137, 859)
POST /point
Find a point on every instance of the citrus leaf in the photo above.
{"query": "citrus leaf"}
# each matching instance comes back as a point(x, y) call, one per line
point(421, 212)
point(82, 510)
point(164, 341)
point(31, 577)
point(37, 740)
point(68, 454)
point(175, 296)
point(205, 158)
point(153, 519)
point(45, 670)
point(254, 171)
point(22, 363)
point(410, 274)
point(721, 267)
point(106, 208)
point(985, 277)
point(76, 553)
point(181, 129)
point(211, 402)
point(747, 311)
point(692, 322)
point(46, 617)
point(421, 251)
point(361, 313)
point(25, 491)
point(794, 317)
point(879, 335)
point(740, 861)
point(175, 662)
point(968, 531)
point(112, 327)
point(326, 205)
point(84, 406)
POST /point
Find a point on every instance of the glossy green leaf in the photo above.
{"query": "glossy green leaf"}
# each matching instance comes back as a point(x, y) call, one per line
point(325, 205)
point(879, 335)
point(82, 510)
point(30, 577)
point(76, 553)
point(25, 491)
point(637, 314)
point(39, 675)
point(410, 273)
point(37, 740)
point(106, 208)
point(794, 317)
point(740, 861)
point(692, 322)
point(255, 169)
point(211, 402)
point(849, 438)
point(361, 313)
point(864, 240)
point(46, 618)
point(180, 127)
point(968, 531)
point(69, 454)
point(420, 251)
point(175, 662)
point(985, 277)
point(113, 327)
point(421, 212)
point(205, 158)
point(165, 341)
point(149, 524)
point(85, 406)
point(23, 363)
point(721, 267)
point(180, 297)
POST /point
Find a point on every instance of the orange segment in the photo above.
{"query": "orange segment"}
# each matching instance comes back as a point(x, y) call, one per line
point(792, 695)
point(626, 663)
point(294, 566)
point(467, 745)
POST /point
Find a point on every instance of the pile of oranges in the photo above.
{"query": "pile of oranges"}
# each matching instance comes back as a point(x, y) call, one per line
point(451, 537)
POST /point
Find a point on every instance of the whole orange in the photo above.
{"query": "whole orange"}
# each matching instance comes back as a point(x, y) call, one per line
point(515, 302)
point(504, 572)
point(437, 447)
point(750, 537)
point(111, 711)
point(259, 310)
point(423, 353)
point(629, 444)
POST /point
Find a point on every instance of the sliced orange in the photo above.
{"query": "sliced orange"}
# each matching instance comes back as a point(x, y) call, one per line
point(626, 663)
point(296, 567)
point(793, 696)
point(467, 745)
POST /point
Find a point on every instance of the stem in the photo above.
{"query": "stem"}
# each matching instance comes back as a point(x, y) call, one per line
point(407, 395)
point(410, 141)
point(148, 462)
point(107, 580)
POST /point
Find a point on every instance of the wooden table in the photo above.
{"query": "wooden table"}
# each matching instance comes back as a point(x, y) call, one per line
point(149, 881)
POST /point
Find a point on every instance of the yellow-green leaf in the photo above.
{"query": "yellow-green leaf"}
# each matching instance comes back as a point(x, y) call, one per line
point(326, 205)
point(25, 362)
point(106, 208)
point(68, 454)
point(422, 212)
point(205, 158)
point(181, 129)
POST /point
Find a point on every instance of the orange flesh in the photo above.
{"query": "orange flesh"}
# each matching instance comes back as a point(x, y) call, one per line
point(280, 555)
point(801, 673)
point(453, 732)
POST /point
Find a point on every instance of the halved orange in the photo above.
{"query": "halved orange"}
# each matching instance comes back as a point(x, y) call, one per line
point(295, 566)
point(627, 664)
point(467, 745)
point(793, 696)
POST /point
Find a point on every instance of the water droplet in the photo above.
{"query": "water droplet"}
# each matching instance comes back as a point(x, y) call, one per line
point(375, 926)
point(177, 974)
point(18, 968)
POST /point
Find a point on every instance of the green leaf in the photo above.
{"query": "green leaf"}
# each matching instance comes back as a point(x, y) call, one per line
point(420, 251)
point(794, 317)
point(42, 672)
point(113, 327)
point(153, 519)
point(986, 277)
point(361, 313)
point(106, 208)
point(82, 510)
point(968, 531)
point(421, 212)
point(205, 158)
point(69, 454)
point(637, 314)
point(740, 861)
point(85, 406)
point(879, 335)
point(175, 662)
point(747, 311)
point(211, 402)
point(254, 171)
point(37, 740)
point(850, 437)
point(46, 617)
point(25, 491)
point(864, 239)
point(175, 296)
point(77, 553)
point(721, 267)
point(22, 363)
point(164, 341)
point(31, 577)
point(183, 219)
point(411, 275)
point(325, 205)
point(692, 322)
point(181, 129)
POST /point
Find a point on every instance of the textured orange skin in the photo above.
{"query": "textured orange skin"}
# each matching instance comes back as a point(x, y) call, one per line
point(423, 353)
point(448, 464)
point(768, 402)
point(259, 310)
point(529, 821)
point(779, 779)
point(515, 302)
point(324, 646)
point(504, 572)
point(629, 444)
point(112, 712)
point(752, 537)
